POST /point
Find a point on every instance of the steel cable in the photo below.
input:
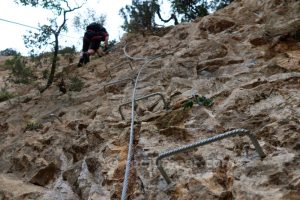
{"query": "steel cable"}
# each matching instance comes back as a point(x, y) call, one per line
point(32, 27)
point(137, 58)
point(131, 135)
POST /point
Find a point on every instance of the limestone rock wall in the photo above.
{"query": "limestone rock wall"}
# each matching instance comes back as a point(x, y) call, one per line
point(246, 58)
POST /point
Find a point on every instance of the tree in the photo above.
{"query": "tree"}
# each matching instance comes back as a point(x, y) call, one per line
point(9, 52)
point(81, 22)
point(173, 16)
point(219, 4)
point(190, 9)
point(140, 16)
point(42, 38)
point(67, 50)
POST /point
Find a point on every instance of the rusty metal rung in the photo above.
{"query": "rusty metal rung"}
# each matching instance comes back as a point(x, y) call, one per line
point(128, 62)
point(55, 116)
point(204, 142)
point(144, 97)
point(116, 82)
point(123, 64)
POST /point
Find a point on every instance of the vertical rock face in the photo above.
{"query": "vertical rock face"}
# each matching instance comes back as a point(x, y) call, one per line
point(44, 175)
point(245, 58)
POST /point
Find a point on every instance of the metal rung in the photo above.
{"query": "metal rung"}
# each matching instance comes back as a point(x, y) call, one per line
point(109, 70)
point(116, 82)
point(55, 116)
point(204, 142)
point(144, 97)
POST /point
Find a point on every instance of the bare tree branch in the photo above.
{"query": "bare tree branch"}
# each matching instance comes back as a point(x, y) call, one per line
point(173, 16)
point(65, 13)
point(56, 34)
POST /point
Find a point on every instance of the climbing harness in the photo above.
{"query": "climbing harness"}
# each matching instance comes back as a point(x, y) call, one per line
point(189, 147)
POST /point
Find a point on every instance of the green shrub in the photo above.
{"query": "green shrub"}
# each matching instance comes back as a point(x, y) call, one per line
point(67, 50)
point(111, 44)
point(5, 95)
point(21, 73)
point(297, 35)
point(33, 125)
point(76, 84)
point(198, 100)
point(9, 52)
point(45, 74)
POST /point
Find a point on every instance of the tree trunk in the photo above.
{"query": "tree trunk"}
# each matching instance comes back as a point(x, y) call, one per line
point(173, 16)
point(54, 61)
point(55, 53)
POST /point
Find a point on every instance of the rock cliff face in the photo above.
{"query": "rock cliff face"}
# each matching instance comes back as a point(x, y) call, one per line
point(246, 58)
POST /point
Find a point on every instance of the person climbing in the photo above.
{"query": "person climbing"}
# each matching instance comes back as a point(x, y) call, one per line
point(95, 33)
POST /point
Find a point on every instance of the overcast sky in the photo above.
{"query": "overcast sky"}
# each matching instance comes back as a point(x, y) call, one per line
point(12, 34)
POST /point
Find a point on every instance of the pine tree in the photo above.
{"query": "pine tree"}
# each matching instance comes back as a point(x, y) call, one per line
point(190, 9)
point(139, 16)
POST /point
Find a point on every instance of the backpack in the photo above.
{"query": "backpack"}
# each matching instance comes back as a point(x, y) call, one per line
point(95, 27)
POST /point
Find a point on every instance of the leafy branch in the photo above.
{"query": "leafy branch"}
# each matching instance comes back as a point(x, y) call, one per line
point(196, 99)
point(43, 37)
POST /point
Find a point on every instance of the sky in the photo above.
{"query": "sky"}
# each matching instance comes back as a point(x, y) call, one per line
point(12, 34)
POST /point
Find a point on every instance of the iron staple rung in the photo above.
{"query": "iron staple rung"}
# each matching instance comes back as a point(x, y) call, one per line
point(110, 69)
point(144, 97)
point(117, 82)
point(119, 65)
point(139, 58)
point(55, 116)
point(207, 141)
point(203, 142)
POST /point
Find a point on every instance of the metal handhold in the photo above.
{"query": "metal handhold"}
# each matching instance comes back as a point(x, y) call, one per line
point(204, 142)
point(110, 69)
point(144, 97)
point(55, 116)
point(116, 82)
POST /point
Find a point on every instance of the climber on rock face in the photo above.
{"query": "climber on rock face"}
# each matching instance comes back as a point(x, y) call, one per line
point(95, 33)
